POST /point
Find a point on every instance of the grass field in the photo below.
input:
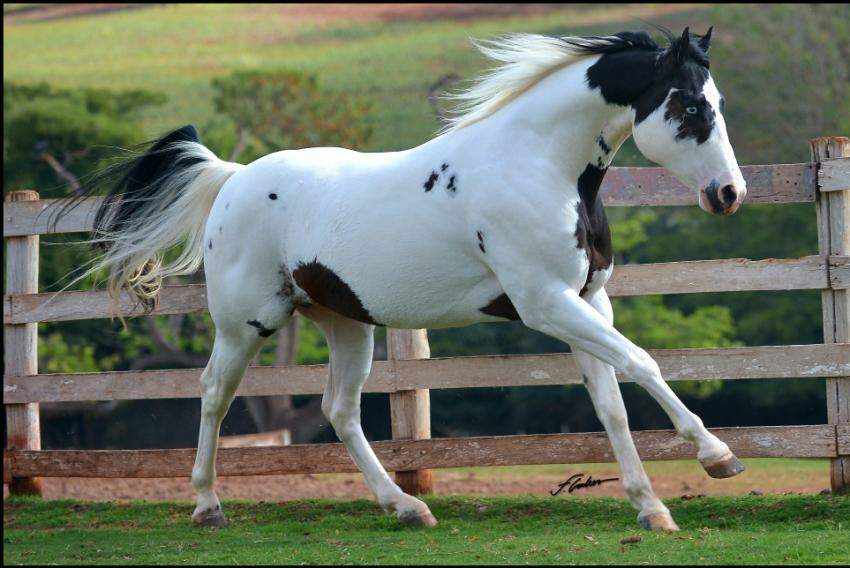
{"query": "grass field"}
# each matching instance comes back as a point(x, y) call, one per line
point(536, 530)
point(178, 49)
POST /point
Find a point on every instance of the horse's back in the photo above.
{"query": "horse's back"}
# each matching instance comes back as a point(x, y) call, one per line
point(367, 225)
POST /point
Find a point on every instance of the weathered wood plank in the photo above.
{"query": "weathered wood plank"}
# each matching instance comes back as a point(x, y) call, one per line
point(843, 434)
point(39, 219)
point(622, 187)
point(839, 272)
point(834, 175)
point(775, 183)
point(405, 455)
point(833, 219)
point(20, 346)
point(410, 410)
point(780, 362)
point(95, 304)
point(726, 275)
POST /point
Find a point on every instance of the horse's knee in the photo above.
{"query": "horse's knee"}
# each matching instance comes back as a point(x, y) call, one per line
point(613, 416)
point(345, 420)
point(642, 368)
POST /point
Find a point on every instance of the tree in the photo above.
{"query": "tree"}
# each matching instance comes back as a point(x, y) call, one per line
point(51, 136)
point(280, 109)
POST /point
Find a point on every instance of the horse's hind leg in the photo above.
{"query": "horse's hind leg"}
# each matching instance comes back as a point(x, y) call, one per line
point(219, 381)
point(351, 345)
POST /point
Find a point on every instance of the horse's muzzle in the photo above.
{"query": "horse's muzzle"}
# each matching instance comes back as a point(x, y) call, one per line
point(721, 199)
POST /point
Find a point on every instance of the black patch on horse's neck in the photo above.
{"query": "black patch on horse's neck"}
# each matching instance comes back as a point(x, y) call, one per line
point(592, 231)
point(589, 183)
point(327, 289)
point(622, 77)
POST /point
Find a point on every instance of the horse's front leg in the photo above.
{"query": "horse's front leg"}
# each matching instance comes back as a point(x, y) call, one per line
point(604, 391)
point(557, 310)
point(351, 345)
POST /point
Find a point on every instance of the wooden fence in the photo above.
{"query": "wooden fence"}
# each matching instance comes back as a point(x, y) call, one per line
point(409, 372)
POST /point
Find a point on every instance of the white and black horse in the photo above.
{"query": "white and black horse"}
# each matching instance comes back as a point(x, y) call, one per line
point(498, 218)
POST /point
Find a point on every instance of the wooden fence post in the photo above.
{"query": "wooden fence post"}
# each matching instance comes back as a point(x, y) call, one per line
point(23, 431)
point(410, 411)
point(833, 212)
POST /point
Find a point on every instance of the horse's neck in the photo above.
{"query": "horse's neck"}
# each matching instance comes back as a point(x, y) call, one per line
point(563, 121)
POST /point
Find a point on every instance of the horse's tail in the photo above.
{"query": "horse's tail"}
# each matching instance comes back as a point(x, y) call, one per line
point(161, 202)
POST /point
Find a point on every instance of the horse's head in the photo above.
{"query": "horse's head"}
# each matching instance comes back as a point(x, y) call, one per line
point(678, 123)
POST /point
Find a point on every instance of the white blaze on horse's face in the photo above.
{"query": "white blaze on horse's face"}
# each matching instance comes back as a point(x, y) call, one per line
point(687, 135)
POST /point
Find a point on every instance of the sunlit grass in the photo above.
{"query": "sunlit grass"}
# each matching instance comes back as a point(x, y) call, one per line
point(742, 530)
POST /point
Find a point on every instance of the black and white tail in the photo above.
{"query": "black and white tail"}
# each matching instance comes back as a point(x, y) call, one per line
point(161, 201)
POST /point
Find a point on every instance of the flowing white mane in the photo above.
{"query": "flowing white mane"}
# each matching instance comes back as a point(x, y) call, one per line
point(525, 60)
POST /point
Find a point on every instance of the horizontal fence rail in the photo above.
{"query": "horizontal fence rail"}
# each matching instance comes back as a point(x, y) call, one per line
point(819, 441)
point(622, 187)
point(778, 362)
point(726, 275)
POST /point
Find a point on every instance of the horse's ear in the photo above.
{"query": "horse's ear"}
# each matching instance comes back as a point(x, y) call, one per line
point(682, 45)
point(705, 41)
point(678, 50)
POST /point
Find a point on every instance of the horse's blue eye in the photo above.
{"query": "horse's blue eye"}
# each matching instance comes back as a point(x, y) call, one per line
point(691, 110)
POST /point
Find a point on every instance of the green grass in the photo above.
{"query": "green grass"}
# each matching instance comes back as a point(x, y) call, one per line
point(178, 49)
point(546, 530)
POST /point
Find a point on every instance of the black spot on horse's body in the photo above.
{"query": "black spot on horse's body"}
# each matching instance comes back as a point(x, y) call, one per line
point(501, 307)
point(219, 228)
point(600, 140)
point(210, 244)
point(263, 330)
point(432, 179)
point(481, 241)
point(592, 231)
point(444, 167)
point(272, 196)
point(451, 185)
point(327, 289)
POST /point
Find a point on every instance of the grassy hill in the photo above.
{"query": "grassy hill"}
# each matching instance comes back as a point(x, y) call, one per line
point(391, 58)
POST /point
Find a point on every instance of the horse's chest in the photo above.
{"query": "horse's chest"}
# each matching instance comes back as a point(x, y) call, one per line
point(594, 238)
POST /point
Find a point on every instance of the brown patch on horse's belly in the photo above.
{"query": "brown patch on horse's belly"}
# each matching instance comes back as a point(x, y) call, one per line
point(327, 289)
point(501, 307)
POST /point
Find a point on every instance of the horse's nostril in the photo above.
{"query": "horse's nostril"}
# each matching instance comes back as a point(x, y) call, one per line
point(728, 195)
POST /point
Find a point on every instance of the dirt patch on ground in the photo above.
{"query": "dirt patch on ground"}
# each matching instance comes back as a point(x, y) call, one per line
point(36, 13)
point(335, 12)
point(411, 12)
point(446, 482)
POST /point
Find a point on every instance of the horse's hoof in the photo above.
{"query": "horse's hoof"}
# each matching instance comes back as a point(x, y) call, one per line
point(658, 522)
point(418, 519)
point(210, 518)
point(728, 466)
